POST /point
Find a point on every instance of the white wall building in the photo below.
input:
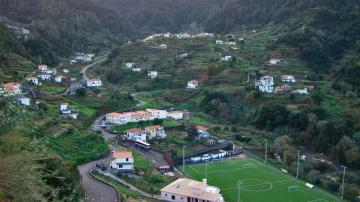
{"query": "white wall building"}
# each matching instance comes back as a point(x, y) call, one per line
point(153, 74)
point(44, 76)
point(59, 79)
point(176, 115)
point(23, 101)
point(93, 83)
point(130, 65)
point(219, 42)
point(301, 91)
point(187, 190)
point(193, 84)
point(226, 58)
point(122, 161)
point(288, 78)
point(265, 84)
point(275, 61)
point(156, 131)
point(158, 114)
point(135, 134)
point(42, 67)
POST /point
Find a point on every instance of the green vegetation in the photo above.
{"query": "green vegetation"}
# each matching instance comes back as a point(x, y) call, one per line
point(53, 89)
point(255, 177)
point(78, 147)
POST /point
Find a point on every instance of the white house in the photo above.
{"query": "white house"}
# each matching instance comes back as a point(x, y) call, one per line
point(158, 114)
point(156, 131)
point(230, 43)
point(64, 107)
point(176, 115)
point(93, 82)
point(187, 190)
point(202, 132)
point(265, 84)
point(44, 76)
point(122, 161)
point(219, 42)
point(275, 61)
point(42, 67)
point(66, 71)
point(193, 84)
point(153, 74)
point(135, 134)
point(129, 65)
point(33, 80)
point(301, 91)
point(11, 89)
point(59, 79)
point(184, 55)
point(163, 46)
point(136, 69)
point(167, 35)
point(23, 101)
point(288, 78)
point(226, 58)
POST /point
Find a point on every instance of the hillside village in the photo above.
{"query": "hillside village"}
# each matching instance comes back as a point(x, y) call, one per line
point(177, 84)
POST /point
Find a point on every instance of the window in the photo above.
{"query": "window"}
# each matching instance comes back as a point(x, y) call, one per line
point(127, 159)
point(120, 166)
point(173, 197)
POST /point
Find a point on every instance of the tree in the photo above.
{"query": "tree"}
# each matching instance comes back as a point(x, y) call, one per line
point(284, 146)
point(192, 133)
point(348, 152)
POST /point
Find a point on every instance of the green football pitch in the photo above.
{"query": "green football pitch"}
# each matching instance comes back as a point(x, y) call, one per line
point(258, 182)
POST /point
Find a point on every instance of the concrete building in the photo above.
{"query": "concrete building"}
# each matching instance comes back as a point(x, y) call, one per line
point(122, 161)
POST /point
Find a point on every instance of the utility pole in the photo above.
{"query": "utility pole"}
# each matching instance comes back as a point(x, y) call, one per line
point(184, 159)
point(239, 185)
point(298, 164)
point(343, 183)
point(266, 142)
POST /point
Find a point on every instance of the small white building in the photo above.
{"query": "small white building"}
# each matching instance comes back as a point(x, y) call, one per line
point(230, 43)
point(66, 71)
point(163, 46)
point(187, 190)
point(23, 101)
point(44, 76)
point(226, 58)
point(153, 74)
point(265, 84)
point(193, 84)
point(219, 42)
point(301, 91)
point(130, 65)
point(59, 79)
point(93, 82)
point(122, 161)
point(156, 131)
point(183, 55)
point(288, 78)
point(176, 115)
point(64, 106)
point(275, 61)
point(33, 80)
point(135, 134)
point(167, 35)
point(42, 67)
point(202, 132)
point(136, 69)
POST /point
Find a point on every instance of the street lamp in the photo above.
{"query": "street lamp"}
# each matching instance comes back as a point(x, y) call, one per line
point(239, 185)
point(298, 163)
point(184, 159)
point(266, 143)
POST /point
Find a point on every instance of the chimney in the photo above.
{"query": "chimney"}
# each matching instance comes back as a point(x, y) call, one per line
point(204, 181)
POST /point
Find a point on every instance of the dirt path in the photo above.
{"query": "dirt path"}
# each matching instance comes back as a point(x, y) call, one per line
point(84, 69)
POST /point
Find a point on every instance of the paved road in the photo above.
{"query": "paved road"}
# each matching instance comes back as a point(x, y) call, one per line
point(83, 70)
point(96, 190)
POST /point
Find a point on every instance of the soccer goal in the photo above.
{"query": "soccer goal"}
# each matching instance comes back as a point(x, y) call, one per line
point(293, 188)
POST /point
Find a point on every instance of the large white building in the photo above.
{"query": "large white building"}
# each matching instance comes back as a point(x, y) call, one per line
point(265, 84)
point(187, 190)
point(122, 161)
point(136, 116)
point(288, 78)
point(176, 115)
point(193, 84)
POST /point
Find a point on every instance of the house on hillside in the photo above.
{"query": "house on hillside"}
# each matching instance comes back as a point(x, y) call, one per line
point(93, 82)
point(123, 161)
point(187, 190)
point(167, 35)
point(66, 71)
point(33, 80)
point(67, 112)
point(163, 46)
point(44, 76)
point(176, 115)
point(135, 134)
point(155, 132)
point(303, 91)
point(130, 65)
point(230, 43)
point(153, 74)
point(282, 89)
point(23, 101)
point(136, 69)
point(193, 84)
point(275, 61)
point(288, 78)
point(12, 89)
point(158, 114)
point(219, 42)
point(42, 68)
point(183, 55)
point(202, 132)
point(226, 58)
point(116, 118)
point(265, 84)
point(59, 79)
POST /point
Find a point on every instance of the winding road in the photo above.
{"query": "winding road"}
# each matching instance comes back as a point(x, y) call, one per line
point(83, 70)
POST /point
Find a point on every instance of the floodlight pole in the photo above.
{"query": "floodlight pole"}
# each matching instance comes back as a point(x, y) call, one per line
point(266, 143)
point(206, 170)
point(343, 183)
point(298, 163)
point(238, 185)
point(184, 159)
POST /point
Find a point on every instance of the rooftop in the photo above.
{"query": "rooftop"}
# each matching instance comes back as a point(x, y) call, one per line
point(122, 154)
point(135, 130)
